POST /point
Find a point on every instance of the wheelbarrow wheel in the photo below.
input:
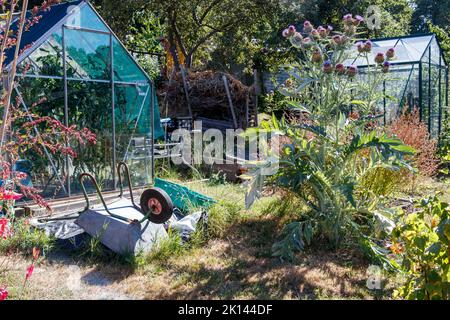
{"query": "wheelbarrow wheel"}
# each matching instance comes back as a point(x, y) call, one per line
point(157, 204)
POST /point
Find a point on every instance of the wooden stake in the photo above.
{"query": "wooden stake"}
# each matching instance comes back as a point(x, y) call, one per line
point(230, 101)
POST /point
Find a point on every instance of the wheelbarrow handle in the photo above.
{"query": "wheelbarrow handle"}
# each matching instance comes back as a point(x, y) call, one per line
point(99, 193)
point(123, 167)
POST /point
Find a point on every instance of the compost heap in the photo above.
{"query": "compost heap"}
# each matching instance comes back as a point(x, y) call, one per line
point(207, 95)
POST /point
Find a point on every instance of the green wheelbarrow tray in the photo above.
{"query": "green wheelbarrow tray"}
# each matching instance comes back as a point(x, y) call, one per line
point(182, 197)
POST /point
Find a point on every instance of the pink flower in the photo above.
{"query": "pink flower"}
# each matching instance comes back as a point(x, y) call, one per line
point(379, 58)
point(390, 53)
point(29, 272)
point(337, 39)
point(289, 31)
point(10, 195)
point(352, 71)
point(292, 29)
point(3, 293)
point(340, 69)
point(307, 27)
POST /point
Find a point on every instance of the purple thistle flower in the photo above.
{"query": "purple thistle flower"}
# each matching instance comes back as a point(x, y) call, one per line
point(368, 46)
point(340, 69)
point(390, 53)
point(307, 27)
point(379, 58)
point(358, 20)
point(327, 67)
point(386, 66)
point(360, 47)
point(352, 71)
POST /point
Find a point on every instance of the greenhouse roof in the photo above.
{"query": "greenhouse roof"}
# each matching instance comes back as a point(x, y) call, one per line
point(36, 31)
point(408, 49)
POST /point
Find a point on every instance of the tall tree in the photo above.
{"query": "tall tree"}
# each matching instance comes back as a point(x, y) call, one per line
point(435, 11)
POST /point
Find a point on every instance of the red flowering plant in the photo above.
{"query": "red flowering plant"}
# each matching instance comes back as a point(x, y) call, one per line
point(18, 127)
point(329, 156)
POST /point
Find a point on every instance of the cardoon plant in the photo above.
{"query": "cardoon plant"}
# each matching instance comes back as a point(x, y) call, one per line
point(330, 155)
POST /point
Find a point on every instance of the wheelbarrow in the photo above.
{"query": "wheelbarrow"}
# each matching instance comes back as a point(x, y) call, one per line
point(155, 204)
point(122, 225)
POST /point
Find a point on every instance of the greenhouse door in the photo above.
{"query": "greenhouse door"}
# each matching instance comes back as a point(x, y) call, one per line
point(133, 130)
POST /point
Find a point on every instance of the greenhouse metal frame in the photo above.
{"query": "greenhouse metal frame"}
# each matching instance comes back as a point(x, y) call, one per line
point(76, 61)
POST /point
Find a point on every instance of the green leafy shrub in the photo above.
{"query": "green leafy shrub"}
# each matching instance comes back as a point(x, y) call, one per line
point(421, 240)
point(23, 238)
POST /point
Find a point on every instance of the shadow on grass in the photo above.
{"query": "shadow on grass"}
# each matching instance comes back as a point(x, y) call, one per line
point(247, 270)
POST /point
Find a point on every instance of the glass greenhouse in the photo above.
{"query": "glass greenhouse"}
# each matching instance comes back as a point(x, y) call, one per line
point(418, 78)
point(73, 59)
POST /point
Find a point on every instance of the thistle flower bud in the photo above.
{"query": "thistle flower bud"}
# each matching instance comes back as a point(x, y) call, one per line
point(368, 46)
point(352, 71)
point(307, 43)
point(340, 69)
point(317, 56)
point(358, 20)
point(390, 53)
point(315, 34)
point(285, 33)
point(322, 31)
point(307, 27)
point(337, 39)
point(350, 30)
point(386, 66)
point(292, 29)
point(348, 19)
point(379, 58)
point(296, 40)
point(327, 67)
point(360, 47)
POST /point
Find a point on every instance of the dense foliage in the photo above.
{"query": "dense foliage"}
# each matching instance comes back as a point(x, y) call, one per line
point(421, 242)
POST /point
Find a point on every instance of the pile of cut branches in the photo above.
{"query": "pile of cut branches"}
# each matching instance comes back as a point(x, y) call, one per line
point(207, 96)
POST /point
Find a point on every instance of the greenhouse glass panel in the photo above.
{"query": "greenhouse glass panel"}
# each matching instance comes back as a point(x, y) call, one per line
point(89, 106)
point(86, 17)
point(88, 54)
point(125, 68)
point(44, 97)
point(46, 59)
point(133, 134)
